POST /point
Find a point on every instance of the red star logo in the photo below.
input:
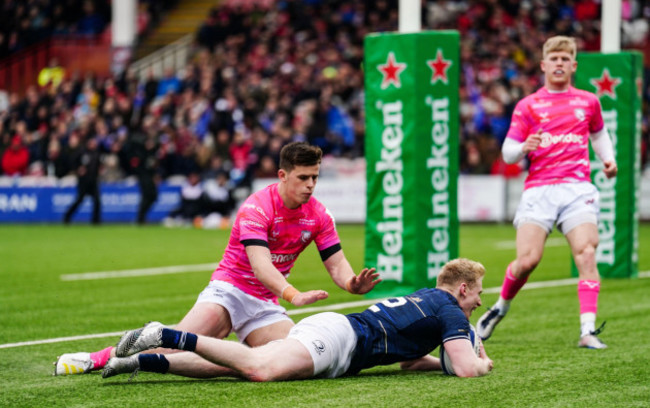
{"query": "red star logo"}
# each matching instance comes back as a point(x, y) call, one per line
point(390, 71)
point(439, 66)
point(606, 84)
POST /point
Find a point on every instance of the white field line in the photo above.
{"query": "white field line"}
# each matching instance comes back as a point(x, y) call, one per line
point(167, 270)
point(129, 273)
point(511, 244)
point(338, 306)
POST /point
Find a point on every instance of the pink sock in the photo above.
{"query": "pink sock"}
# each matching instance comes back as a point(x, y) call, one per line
point(588, 296)
point(100, 358)
point(511, 285)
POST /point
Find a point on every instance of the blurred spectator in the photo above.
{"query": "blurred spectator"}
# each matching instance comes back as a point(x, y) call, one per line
point(217, 202)
point(87, 169)
point(191, 204)
point(15, 159)
point(268, 73)
point(92, 22)
point(52, 75)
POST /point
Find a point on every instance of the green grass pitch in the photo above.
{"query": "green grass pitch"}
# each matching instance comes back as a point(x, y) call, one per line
point(537, 363)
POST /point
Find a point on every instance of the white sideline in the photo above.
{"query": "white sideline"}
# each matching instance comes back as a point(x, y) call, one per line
point(338, 306)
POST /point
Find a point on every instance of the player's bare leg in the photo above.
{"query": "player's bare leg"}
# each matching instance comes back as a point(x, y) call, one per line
point(530, 248)
point(583, 240)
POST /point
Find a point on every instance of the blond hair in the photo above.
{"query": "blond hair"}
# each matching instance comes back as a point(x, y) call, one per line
point(560, 43)
point(458, 271)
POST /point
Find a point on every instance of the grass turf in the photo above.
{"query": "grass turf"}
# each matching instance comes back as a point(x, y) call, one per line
point(537, 363)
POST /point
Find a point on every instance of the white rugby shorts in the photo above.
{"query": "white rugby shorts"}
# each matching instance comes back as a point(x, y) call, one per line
point(247, 313)
point(330, 340)
point(566, 204)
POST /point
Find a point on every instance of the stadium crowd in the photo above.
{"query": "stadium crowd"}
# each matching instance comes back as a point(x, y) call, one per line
point(265, 73)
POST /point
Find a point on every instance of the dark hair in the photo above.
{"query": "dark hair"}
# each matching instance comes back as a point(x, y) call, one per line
point(299, 154)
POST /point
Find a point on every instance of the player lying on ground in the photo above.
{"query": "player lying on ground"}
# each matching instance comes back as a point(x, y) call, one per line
point(273, 226)
point(328, 345)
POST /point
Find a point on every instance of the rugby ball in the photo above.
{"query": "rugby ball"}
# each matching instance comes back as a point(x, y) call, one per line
point(445, 361)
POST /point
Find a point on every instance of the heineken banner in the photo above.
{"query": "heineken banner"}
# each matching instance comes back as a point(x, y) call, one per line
point(411, 91)
point(617, 80)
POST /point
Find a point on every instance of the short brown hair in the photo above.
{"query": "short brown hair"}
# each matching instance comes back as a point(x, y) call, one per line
point(458, 271)
point(560, 43)
point(299, 154)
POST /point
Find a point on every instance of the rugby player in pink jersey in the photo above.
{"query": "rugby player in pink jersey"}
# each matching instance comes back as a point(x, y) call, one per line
point(272, 227)
point(552, 127)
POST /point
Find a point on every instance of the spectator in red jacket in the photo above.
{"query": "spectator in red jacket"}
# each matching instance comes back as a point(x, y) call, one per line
point(16, 158)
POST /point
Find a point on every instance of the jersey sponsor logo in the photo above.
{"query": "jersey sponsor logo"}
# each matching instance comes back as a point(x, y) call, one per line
point(256, 208)
point(541, 105)
point(305, 221)
point(251, 222)
point(578, 102)
point(549, 139)
point(543, 117)
point(282, 258)
point(305, 236)
point(319, 346)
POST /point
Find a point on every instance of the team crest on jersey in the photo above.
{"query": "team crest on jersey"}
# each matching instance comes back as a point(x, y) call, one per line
point(305, 236)
point(319, 346)
point(580, 114)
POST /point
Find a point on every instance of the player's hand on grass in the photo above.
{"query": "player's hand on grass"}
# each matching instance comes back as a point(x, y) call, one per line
point(483, 355)
point(364, 282)
point(309, 297)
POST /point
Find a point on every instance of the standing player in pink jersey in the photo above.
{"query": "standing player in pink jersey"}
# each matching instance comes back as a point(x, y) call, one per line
point(553, 127)
point(271, 229)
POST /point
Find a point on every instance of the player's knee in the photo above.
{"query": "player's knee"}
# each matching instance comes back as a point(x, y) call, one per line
point(527, 264)
point(259, 373)
point(258, 368)
point(586, 254)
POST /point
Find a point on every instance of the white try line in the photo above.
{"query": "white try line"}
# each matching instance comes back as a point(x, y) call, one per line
point(129, 273)
point(305, 310)
point(167, 270)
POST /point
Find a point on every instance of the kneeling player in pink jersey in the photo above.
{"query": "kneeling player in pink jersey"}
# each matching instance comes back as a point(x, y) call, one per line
point(272, 227)
point(552, 127)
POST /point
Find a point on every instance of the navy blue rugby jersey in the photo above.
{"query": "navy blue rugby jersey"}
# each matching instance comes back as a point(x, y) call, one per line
point(406, 328)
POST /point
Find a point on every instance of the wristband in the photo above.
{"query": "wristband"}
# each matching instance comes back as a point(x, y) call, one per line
point(288, 293)
point(348, 285)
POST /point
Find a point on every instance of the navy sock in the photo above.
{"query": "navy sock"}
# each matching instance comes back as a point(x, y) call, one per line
point(153, 363)
point(178, 340)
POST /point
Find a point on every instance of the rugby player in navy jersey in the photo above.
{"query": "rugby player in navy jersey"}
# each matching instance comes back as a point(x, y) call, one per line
point(328, 345)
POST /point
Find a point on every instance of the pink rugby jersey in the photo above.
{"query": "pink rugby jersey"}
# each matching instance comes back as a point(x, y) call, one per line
point(263, 217)
point(566, 119)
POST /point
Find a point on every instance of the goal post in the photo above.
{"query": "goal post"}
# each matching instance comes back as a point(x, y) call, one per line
point(412, 155)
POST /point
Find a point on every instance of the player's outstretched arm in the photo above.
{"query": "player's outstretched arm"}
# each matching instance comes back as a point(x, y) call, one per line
point(465, 362)
point(424, 363)
point(260, 260)
point(343, 275)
